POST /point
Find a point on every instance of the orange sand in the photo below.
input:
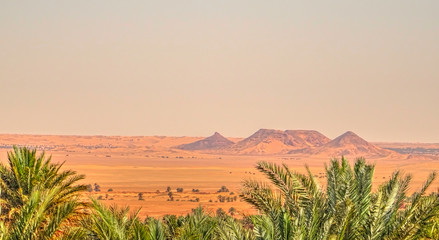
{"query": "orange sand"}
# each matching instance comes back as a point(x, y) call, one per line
point(130, 165)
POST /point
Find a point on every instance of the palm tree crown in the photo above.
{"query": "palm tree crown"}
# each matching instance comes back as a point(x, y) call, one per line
point(298, 208)
point(38, 199)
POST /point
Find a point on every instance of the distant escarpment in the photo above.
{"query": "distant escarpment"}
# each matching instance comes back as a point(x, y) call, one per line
point(304, 142)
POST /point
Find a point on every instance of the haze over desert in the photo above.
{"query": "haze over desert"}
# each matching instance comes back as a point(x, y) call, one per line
point(149, 164)
point(219, 120)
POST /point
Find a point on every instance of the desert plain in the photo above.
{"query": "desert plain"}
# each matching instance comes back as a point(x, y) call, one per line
point(126, 166)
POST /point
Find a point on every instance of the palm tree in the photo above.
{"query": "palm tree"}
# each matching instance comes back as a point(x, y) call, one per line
point(173, 226)
point(232, 229)
point(294, 209)
point(26, 171)
point(198, 225)
point(431, 230)
point(113, 223)
point(37, 219)
point(298, 208)
point(155, 230)
point(38, 200)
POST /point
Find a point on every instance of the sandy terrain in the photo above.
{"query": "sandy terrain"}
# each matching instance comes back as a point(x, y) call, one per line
point(130, 165)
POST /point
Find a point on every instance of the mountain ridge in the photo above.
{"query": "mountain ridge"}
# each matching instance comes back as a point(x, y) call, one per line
point(348, 144)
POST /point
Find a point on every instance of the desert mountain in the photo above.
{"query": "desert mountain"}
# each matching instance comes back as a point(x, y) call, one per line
point(270, 141)
point(348, 143)
point(215, 141)
point(309, 138)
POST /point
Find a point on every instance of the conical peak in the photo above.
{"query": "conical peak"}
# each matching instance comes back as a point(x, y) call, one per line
point(217, 134)
point(349, 133)
point(213, 142)
point(348, 137)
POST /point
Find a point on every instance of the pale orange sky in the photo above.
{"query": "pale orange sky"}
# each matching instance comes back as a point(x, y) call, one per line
point(195, 67)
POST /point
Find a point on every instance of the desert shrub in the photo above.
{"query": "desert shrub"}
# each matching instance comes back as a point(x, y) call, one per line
point(97, 188)
point(221, 198)
point(232, 211)
point(171, 196)
point(140, 196)
point(220, 213)
point(223, 189)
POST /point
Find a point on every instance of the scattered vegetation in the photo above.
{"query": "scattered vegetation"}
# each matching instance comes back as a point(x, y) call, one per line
point(39, 201)
point(223, 189)
point(226, 198)
point(97, 188)
point(220, 213)
point(232, 211)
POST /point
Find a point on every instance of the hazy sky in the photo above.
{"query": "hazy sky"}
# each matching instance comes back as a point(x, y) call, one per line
point(195, 67)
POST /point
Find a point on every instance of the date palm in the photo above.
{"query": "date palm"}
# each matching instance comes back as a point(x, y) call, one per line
point(233, 229)
point(38, 199)
point(26, 171)
point(298, 208)
point(39, 219)
point(113, 223)
point(199, 225)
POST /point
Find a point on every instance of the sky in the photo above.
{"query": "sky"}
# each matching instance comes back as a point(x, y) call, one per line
point(190, 68)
